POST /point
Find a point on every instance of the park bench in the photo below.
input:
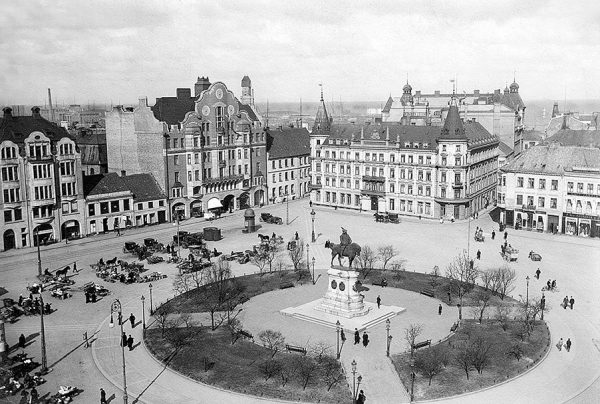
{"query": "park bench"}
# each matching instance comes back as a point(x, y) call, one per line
point(454, 327)
point(246, 334)
point(427, 292)
point(286, 285)
point(293, 348)
point(422, 344)
point(381, 282)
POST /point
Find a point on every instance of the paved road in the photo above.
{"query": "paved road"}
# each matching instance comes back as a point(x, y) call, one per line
point(573, 262)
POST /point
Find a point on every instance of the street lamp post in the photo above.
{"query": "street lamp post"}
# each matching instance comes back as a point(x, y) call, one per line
point(37, 241)
point(337, 346)
point(178, 240)
point(527, 300)
point(543, 306)
point(287, 209)
point(412, 380)
point(116, 307)
point(43, 333)
point(313, 268)
point(312, 216)
point(143, 314)
point(459, 311)
point(354, 387)
point(151, 307)
point(308, 261)
point(389, 337)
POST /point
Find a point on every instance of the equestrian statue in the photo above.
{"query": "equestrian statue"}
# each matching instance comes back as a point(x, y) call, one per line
point(346, 248)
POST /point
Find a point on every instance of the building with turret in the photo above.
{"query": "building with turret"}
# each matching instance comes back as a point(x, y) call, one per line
point(449, 170)
point(500, 113)
point(207, 151)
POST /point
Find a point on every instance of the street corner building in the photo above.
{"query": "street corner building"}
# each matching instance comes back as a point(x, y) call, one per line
point(552, 188)
point(207, 151)
point(41, 184)
point(448, 171)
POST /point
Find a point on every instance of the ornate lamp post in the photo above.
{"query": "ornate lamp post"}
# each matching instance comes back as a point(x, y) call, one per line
point(42, 328)
point(115, 307)
point(143, 314)
point(527, 300)
point(287, 209)
point(338, 327)
point(313, 268)
point(459, 311)
point(354, 386)
point(37, 241)
point(542, 306)
point(389, 337)
point(312, 216)
point(151, 306)
point(308, 261)
point(412, 380)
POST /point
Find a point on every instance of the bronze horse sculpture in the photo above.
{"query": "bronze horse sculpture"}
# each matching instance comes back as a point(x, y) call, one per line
point(350, 251)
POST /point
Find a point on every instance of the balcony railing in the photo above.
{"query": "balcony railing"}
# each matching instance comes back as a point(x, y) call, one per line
point(582, 193)
point(528, 207)
point(457, 184)
point(373, 178)
point(365, 191)
point(316, 186)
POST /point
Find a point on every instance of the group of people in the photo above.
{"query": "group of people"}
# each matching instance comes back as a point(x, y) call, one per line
point(568, 302)
point(550, 285)
point(91, 296)
point(567, 344)
point(33, 305)
point(357, 339)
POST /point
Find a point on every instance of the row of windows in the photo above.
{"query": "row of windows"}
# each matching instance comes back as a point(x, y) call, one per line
point(379, 157)
point(42, 171)
point(108, 207)
point(404, 205)
point(39, 150)
point(68, 189)
point(69, 207)
point(198, 141)
point(588, 190)
point(579, 207)
point(221, 156)
point(43, 192)
point(11, 195)
point(531, 183)
point(67, 168)
point(66, 149)
point(285, 176)
point(9, 152)
point(10, 173)
point(43, 211)
point(284, 162)
point(541, 202)
point(13, 215)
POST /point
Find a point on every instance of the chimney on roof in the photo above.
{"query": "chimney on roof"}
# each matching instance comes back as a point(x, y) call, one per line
point(476, 93)
point(7, 112)
point(184, 93)
point(437, 92)
point(143, 101)
point(418, 93)
point(202, 84)
point(35, 112)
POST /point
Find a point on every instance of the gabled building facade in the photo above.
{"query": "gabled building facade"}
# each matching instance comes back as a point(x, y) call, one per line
point(41, 182)
point(208, 152)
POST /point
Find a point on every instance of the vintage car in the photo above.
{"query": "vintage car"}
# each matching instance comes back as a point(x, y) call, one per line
point(269, 218)
point(535, 256)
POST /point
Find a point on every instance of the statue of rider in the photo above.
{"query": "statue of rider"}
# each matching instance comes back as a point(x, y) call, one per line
point(345, 241)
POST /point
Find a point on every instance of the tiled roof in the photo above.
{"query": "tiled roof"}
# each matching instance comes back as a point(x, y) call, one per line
point(248, 109)
point(144, 187)
point(17, 128)
point(571, 137)
point(505, 149)
point(453, 127)
point(103, 184)
point(289, 142)
point(388, 105)
point(554, 159)
point(532, 135)
point(172, 110)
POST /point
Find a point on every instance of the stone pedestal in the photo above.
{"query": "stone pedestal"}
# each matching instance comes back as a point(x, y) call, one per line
point(342, 299)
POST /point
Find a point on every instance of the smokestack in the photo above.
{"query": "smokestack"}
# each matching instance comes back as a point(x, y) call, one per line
point(51, 108)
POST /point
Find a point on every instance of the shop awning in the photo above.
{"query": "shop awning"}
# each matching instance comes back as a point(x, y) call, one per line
point(214, 204)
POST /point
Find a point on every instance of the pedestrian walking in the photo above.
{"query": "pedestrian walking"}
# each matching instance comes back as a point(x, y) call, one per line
point(568, 345)
point(123, 339)
point(356, 336)
point(378, 302)
point(310, 204)
point(537, 273)
point(559, 345)
point(478, 254)
point(117, 230)
point(102, 396)
point(571, 302)
point(34, 395)
point(132, 320)
point(565, 302)
point(440, 310)
point(361, 398)
point(493, 234)
point(296, 236)
point(549, 285)
point(22, 341)
point(505, 235)
point(365, 339)
point(449, 298)
point(553, 284)
point(130, 342)
point(342, 335)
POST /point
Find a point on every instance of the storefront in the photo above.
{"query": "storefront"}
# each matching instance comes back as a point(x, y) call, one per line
point(581, 225)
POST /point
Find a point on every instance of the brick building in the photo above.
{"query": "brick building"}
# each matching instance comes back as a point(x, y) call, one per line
point(207, 151)
point(41, 182)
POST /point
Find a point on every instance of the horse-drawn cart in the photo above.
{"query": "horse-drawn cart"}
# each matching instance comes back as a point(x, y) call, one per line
point(510, 254)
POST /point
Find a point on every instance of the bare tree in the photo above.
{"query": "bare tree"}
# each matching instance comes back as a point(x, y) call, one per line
point(385, 254)
point(464, 358)
point(430, 362)
point(480, 352)
point(434, 277)
point(297, 254)
point(502, 315)
point(270, 368)
point(197, 278)
point(272, 340)
point(234, 326)
point(411, 333)
point(516, 351)
point(482, 298)
point(320, 350)
point(259, 260)
point(506, 280)
point(182, 283)
point(187, 320)
point(331, 371)
point(161, 315)
point(365, 261)
point(305, 369)
point(272, 255)
point(462, 274)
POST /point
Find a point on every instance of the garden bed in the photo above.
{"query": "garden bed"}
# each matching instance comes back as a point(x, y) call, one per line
point(501, 364)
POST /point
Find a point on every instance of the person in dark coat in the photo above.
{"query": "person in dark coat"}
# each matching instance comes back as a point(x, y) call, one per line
point(342, 336)
point(505, 235)
point(75, 268)
point(365, 339)
point(440, 310)
point(123, 339)
point(537, 273)
point(478, 254)
point(102, 396)
point(565, 302)
point(553, 284)
point(568, 344)
point(378, 302)
point(22, 341)
point(34, 395)
point(571, 302)
point(356, 336)
point(361, 398)
point(130, 342)
point(132, 320)
point(493, 234)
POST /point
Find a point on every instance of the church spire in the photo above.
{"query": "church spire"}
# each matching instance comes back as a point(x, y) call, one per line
point(322, 119)
point(453, 127)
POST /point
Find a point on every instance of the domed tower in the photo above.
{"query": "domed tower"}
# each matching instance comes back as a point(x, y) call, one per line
point(407, 97)
point(514, 87)
point(247, 94)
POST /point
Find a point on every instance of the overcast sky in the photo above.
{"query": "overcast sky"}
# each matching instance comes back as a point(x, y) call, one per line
point(360, 50)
